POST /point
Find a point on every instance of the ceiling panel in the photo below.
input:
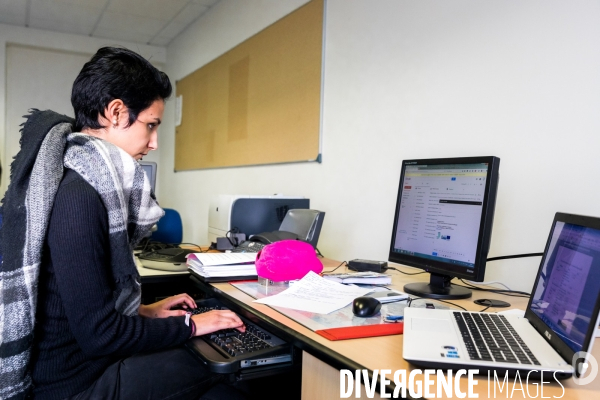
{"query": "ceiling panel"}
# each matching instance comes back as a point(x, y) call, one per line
point(13, 12)
point(189, 14)
point(160, 41)
point(51, 25)
point(123, 22)
point(155, 22)
point(208, 3)
point(161, 10)
point(97, 4)
point(63, 17)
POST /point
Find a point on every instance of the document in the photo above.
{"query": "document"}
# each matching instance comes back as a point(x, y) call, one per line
point(365, 278)
point(212, 259)
point(178, 109)
point(315, 294)
point(218, 265)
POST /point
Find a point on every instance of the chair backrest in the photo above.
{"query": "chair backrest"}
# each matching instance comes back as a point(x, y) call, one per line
point(304, 223)
point(169, 228)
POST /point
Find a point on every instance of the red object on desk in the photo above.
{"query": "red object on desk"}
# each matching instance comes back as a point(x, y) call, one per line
point(355, 332)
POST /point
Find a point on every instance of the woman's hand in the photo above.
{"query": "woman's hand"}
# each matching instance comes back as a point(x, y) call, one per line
point(216, 320)
point(163, 308)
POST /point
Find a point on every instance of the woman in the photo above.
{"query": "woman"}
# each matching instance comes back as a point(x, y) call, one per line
point(73, 326)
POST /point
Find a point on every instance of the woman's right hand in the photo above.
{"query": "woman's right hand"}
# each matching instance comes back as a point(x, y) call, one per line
point(215, 320)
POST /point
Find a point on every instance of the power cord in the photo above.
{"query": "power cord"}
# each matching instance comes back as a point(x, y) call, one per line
point(515, 256)
point(411, 299)
point(233, 230)
point(512, 293)
point(330, 272)
point(407, 273)
point(195, 245)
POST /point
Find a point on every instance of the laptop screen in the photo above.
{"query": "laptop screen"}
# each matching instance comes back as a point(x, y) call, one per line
point(567, 290)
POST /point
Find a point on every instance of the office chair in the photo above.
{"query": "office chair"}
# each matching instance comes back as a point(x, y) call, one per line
point(304, 223)
point(169, 228)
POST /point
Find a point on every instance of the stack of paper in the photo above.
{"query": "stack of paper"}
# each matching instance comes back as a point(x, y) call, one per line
point(217, 265)
point(366, 278)
point(315, 294)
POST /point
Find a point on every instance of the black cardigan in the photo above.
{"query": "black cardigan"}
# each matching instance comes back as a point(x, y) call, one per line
point(78, 333)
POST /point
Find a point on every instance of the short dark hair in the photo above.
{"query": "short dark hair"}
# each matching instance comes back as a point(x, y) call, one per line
point(116, 73)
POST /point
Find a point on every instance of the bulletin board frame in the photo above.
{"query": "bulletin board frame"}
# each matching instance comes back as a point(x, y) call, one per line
point(260, 102)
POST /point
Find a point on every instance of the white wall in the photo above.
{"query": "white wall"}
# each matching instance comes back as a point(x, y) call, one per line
point(30, 75)
point(419, 79)
point(28, 86)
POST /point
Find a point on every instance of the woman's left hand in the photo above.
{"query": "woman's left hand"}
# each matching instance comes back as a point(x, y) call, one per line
point(163, 308)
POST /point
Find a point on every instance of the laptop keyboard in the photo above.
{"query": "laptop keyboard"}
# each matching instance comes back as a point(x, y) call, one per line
point(490, 337)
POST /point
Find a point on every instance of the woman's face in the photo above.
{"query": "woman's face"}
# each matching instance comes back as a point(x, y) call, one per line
point(141, 136)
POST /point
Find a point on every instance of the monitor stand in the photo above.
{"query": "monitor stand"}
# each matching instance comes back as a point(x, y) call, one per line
point(439, 287)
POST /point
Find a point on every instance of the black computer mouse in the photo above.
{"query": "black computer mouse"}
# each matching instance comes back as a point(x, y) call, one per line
point(365, 306)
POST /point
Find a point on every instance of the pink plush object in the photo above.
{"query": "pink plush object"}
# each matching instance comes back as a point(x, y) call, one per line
point(287, 260)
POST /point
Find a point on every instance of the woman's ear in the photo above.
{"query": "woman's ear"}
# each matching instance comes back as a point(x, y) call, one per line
point(116, 113)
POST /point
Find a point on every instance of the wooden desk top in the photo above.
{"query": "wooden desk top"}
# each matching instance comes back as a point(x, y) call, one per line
point(385, 352)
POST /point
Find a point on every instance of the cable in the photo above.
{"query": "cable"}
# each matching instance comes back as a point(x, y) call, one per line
point(486, 283)
point(319, 253)
point(195, 245)
point(407, 273)
point(513, 293)
point(329, 272)
point(233, 230)
point(394, 301)
point(516, 256)
point(411, 299)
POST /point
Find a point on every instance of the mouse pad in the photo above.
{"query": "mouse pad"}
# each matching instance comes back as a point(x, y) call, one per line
point(355, 332)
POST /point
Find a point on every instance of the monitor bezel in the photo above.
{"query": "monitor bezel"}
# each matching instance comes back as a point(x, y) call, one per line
point(485, 227)
point(555, 341)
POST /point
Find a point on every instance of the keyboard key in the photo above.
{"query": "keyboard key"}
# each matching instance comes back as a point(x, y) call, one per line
point(490, 337)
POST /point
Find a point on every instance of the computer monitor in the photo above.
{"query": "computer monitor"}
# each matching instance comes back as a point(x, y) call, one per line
point(443, 221)
point(149, 168)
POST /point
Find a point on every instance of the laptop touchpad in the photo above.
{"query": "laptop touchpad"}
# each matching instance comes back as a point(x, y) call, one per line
point(430, 325)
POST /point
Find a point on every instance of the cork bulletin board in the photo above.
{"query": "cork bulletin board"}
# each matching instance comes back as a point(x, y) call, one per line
point(259, 103)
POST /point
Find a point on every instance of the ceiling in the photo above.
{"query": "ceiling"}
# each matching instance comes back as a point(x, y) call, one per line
point(153, 22)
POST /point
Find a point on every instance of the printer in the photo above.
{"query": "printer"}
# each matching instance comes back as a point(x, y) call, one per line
point(249, 214)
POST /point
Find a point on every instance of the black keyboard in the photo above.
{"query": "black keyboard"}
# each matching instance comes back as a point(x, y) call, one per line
point(249, 247)
point(229, 350)
point(490, 337)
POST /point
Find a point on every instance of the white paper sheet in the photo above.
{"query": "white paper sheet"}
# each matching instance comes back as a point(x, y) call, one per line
point(223, 258)
point(315, 294)
point(178, 110)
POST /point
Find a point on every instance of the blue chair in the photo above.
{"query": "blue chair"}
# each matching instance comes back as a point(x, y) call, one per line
point(169, 228)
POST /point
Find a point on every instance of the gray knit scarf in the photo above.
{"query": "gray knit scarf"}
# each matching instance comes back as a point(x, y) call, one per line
point(132, 210)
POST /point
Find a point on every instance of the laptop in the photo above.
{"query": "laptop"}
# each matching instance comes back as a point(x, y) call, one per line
point(560, 319)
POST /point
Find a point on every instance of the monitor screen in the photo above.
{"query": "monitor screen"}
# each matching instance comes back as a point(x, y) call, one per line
point(149, 168)
point(443, 220)
point(566, 293)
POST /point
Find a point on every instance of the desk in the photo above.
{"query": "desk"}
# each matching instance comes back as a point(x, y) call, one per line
point(157, 284)
point(149, 275)
point(322, 358)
